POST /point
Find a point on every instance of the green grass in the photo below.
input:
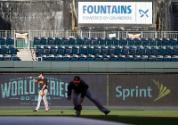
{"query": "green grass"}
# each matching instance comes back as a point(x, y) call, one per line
point(117, 112)
point(137, 117)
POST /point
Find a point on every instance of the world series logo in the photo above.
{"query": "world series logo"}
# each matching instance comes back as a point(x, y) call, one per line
point(25, 88)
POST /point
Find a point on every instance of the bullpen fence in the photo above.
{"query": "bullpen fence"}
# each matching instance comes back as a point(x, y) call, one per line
point(144, 90)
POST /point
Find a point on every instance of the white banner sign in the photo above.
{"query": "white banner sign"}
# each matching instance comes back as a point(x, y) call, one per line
point(115, 12)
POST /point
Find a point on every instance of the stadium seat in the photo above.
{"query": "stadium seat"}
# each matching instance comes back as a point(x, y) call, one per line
point(159, 42)
point(65, 41)
point(74, 57)
point(144, 57)
point(98, 57)
point(152, 58)
point(122, 42)
point(114, 57)
point(97, 50)
point(174, 58)
point(106, 57)
point(12, 50)
point(122, 58)
point(144, 42)
point(66, 57)
point(173, 42)
point(167, 58)
point(86, 41)
point(152, 42)
point(91, 50)
point(102, 41)
point(75, 50)
point(137, 42)
point(10, 42)
point(1, 57)
point(138, 58)
point(36, 41)
point(58, 41)
point(51, 41)
point(83, 50)
point(79, 41)
point(140, 50)
point(94, 41)
point(132, 50)
point(104, 50)
point(68, 50)
point(72, 41)
point(54, 50)
point(47, 50)
point(83, 57)
point(61, 50)
point(148, 50)
point(59, 58)
point(130, 42)
point(39, 51)
point(115, 41)
point(109, 42)
point(2, 41)
point(117, 50)
point(43, 41)
point(90, 57)
point(125, 50)
point(166, 42)
point(4, 50)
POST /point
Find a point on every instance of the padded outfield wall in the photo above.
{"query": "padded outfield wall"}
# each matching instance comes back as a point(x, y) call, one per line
point(119, 89)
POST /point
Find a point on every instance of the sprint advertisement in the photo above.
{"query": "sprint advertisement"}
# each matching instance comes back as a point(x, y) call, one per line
point(143, 90)
point(115, 12)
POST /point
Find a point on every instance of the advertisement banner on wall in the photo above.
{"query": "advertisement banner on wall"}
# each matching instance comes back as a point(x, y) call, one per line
point(115, 12)
point(115, 89)
point(143, 90)
point(21, 89)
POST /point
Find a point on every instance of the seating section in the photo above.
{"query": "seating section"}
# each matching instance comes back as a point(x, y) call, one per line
point(8, 51)
point(105, 49)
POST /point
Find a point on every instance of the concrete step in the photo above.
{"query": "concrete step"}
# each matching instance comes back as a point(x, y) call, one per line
point(25, 55)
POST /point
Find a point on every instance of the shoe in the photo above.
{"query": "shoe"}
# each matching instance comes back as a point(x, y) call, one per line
point(47, 110)
point(78, 112)
point(107, 112)
point(35, 110)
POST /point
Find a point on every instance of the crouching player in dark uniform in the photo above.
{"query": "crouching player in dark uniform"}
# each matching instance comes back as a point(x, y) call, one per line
point(78, 89)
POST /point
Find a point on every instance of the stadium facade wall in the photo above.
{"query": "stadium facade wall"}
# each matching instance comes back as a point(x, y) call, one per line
point(89, 67)
point(31, 15)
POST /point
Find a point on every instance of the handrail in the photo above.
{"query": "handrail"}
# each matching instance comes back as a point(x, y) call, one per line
point(89, 34)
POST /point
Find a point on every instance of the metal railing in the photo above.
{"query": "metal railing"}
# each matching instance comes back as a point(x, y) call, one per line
point(88, 34)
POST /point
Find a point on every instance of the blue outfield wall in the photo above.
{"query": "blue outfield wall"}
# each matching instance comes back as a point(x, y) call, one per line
point(131, 90)
point(141, 84)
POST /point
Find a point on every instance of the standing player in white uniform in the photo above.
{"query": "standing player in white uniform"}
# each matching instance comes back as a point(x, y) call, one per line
point(42, 82)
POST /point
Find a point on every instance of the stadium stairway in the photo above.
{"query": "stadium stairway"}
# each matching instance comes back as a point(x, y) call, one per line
point(25, 55)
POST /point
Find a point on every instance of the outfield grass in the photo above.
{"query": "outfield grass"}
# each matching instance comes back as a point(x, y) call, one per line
point(117, 112)
point(137, 117)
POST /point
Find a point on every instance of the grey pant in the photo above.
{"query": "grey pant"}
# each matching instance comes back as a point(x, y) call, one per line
point(76, 101)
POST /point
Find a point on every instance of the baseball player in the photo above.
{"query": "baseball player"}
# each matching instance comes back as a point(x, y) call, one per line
point(42, 82)
point(78, 89)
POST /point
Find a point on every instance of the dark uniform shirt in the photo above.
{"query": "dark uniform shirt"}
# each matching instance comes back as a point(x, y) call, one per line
point(42, 82)
point(79, 87)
